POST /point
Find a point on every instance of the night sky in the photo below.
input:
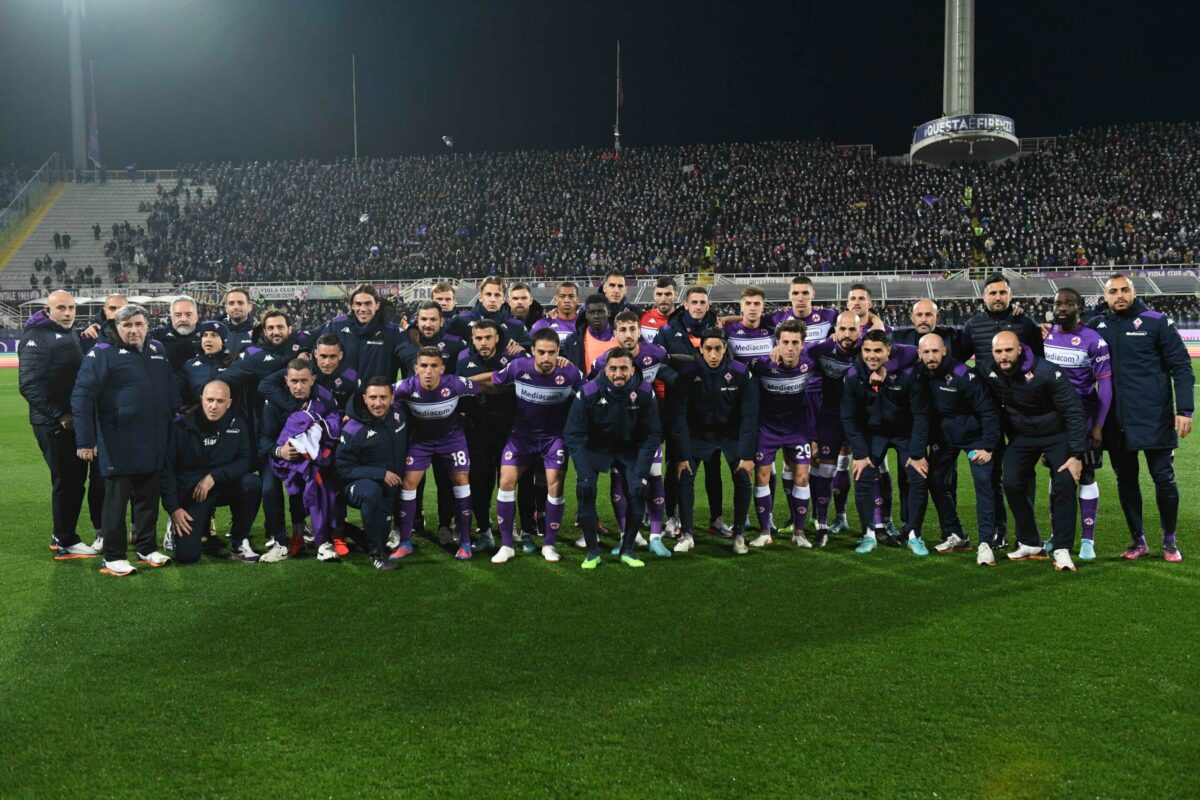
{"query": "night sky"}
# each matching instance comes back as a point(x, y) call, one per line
point(181, 80)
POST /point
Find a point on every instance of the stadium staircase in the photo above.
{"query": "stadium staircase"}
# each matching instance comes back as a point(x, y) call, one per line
point(80, 206)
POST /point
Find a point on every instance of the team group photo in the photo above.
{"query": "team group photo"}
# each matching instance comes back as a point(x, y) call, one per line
point(563, 400)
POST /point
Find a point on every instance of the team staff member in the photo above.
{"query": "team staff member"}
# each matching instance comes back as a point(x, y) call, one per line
point(514, 336)
point(179, 335)
point(1148, 360)
point(239, 317)
point(89, 335)
point(613, 422)
point(121, 406)
point(716, 414)
point(885, 406)
point(369, 462)
point(962, 418)
point(50, 359)
point(209, 463)
point(208, 364)
point(332, 374)
point(924, 319)
point(975, 341)
point(1044, 419)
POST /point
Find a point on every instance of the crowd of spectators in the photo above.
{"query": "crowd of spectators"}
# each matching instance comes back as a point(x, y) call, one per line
point(1109, 196)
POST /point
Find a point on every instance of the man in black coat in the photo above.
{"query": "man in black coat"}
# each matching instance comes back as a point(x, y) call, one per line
point(179, 335)
point(924, 319)
point(1149, 359)
point(50, 357)
point(514, 336)
point(122, 405)
point(1043, 418)
point(209, 463)
point(370, 462)
point(962, 418)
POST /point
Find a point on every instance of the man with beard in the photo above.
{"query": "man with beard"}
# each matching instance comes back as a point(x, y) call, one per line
point(50, 359)
point(665, 294)
point(886, 406)
point(565, 319)
point(332, 374)
point(239, 317)
point(1044, 420)
point(924, 319)
point(1153, 384)
point(179, 336)
point(1082, 354)
point(523, 306)
point(487, 422)
point(274, 346)
point(715, 415)
point(962, 418)
point(210, 463)
point(443, 294)
point(121, 406)
point(833, 358)
point(429, 330)
point(975, 340)
point(612, 422)
point(369, 461)
point(543, 389)
point(593, 336)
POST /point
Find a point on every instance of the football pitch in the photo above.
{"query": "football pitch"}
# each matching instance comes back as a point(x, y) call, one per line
point(783, 672)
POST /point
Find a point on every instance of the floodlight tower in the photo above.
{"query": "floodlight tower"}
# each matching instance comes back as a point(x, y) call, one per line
point(960, 134)
point(74, 11)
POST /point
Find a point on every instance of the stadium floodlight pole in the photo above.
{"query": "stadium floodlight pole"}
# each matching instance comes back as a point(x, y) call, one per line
point(74, 11)
point(620, 100)
point(354, 101)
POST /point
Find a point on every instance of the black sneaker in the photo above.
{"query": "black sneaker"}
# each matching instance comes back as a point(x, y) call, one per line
point(380, 561)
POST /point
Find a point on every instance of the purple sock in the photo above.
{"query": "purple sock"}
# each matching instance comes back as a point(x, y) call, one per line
point(822, 489)
point(1087, 512)
point(841, 491)
point(554, 515)
point(879, 519)
point(1169, 540)
point(655, 492)
point(506, 509)
point(408, 513)
point(462, 499)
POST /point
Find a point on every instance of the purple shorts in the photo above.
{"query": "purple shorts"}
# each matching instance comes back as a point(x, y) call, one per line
point(452, 450)
point(519, 451)
point(830, 435)
point(796, 449)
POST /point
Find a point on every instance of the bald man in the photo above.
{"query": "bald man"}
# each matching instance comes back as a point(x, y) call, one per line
point(91, 334)
point(209, 463)
point(924, 319)
point(50, 354)
point(1044, 420)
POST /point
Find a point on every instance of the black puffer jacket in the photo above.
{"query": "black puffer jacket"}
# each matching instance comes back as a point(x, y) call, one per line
point(1038, 400)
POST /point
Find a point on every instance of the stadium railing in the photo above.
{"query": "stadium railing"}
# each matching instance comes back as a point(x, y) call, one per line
point(29, 199)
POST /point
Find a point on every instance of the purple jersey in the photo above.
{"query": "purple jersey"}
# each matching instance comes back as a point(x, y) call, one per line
point(746, 344)
point(818, 324)
point(433, 414)
point(832, 364)
point(1082, 354)
point(781, 396)
point(649, 359)
point(562, 327)
point(542, 400)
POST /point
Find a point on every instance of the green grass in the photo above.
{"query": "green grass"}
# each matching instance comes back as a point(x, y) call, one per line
point(782, 673)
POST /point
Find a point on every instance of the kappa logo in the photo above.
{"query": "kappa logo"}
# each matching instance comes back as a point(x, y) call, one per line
point(370, 434)
point(32, 343)
point(345, 330)
point(525, 376)
point(603, 402)
point(58, 336)
point(269, 358)
point(1102, 325)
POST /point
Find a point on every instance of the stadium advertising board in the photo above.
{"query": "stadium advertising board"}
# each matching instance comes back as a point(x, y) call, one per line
point(8, 353)
point(964, 124)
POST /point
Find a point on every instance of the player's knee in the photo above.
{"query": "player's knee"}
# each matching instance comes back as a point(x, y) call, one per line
point(585, 489)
